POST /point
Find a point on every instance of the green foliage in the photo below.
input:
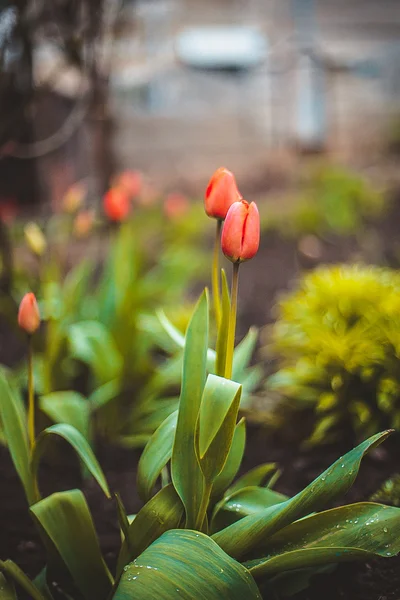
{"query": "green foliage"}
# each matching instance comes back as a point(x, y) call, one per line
point(334, 200)
point(201, 534)
point(389, 492)
point(338, 343)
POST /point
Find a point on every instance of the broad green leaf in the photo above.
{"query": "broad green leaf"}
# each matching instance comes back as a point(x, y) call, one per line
point(185, 564)
point(245, 501)
point(241, 537)
point(178, 338)
point(223, 327)
point(67, 407)
point(104, 394)
point(78, 443)
point(7, 590)
point(216, 424)
point(162, 512)
point(233, 462)
point(185, 470)
point(122, 516)
point(14, 423)
point(155, 456)
point(13, 572)
point(257, 476)
point(356, 531)
point(243, 354)
point(65, 519)
point(93, 344)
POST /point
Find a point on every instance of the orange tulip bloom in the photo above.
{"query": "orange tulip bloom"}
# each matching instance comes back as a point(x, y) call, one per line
point(28, 314)
point(221, 192)
point(116, 204)
point(241, 232)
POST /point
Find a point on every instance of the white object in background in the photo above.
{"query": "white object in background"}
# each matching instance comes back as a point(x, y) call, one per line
point(228, 47)
point(311, 123)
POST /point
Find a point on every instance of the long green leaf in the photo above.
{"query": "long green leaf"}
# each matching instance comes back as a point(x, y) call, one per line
point(356, 531)
point(185, 470)
point(13, 419)
point(93, 344)
point(13, 572)
point(243, 502)
point(223, 327)
point(216, 424)
point(233, 462)
point(78, 443)
point(243, 354)
point(241, 537)
point(65, 519)
point(162, 512)
point(155, 456)
point(186, 564)
point(67, 407)
point(257, 476)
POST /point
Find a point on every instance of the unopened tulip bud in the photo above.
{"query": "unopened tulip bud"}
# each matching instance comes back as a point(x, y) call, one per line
point(116, 204)
point(176, 205)
point(221, 193)
point(35, 238)
point(131, 182)
point(28, 314)
point(241, 232)
point(83, 223)
point(74, 197)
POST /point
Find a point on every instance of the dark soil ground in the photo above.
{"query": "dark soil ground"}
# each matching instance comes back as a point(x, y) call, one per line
point(275, 267)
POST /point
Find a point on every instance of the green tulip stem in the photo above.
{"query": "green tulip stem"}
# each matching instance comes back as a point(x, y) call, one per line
point(215, 274)
point(31, 396)
point(230, 343)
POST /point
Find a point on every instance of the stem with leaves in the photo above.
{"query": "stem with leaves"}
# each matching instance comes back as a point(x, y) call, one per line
point(230, 344)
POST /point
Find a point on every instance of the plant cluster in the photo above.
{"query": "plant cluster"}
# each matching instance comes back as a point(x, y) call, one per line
point(337, 342)
point(202, 531)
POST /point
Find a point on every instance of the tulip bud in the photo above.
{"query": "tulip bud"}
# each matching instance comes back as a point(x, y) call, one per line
point(28, 314)
point(131, 182)
point(74, 197)
point(35, 238)
point(83, 223)
point(221, 192)
point(116, 204)
point(176, 205)
point(241, 232)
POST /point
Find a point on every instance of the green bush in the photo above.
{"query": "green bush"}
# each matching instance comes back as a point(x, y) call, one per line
point(337, 340)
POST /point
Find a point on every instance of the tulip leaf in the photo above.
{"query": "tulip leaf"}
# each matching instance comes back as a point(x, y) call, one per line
point(93, 344)
point(223, 327)
point(162, 512)
point(185, 564)
point(245, 501)
point(65, 520)
point(257, 476)
point(102, 395)
point(243, 353)
point(13, 419)
point(12, 572)
point(177, 337)
point(155, 456)
point(122, 516)
point(78, 443)
point(243, 536)
point(185, 471)
point(216, 424)
point(356, 531)
point(233, 462)
point(67, 407)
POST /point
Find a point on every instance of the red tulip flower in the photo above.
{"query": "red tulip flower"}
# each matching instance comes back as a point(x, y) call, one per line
point(241, 232)
point(221, 192)
point(131, 182)
point(28, 314)
point(116, 204)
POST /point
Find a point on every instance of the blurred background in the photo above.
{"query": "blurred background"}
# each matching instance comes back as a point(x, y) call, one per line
point(176, 88)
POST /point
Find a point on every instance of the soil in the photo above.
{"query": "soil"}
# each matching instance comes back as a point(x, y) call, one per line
point(281, 261)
